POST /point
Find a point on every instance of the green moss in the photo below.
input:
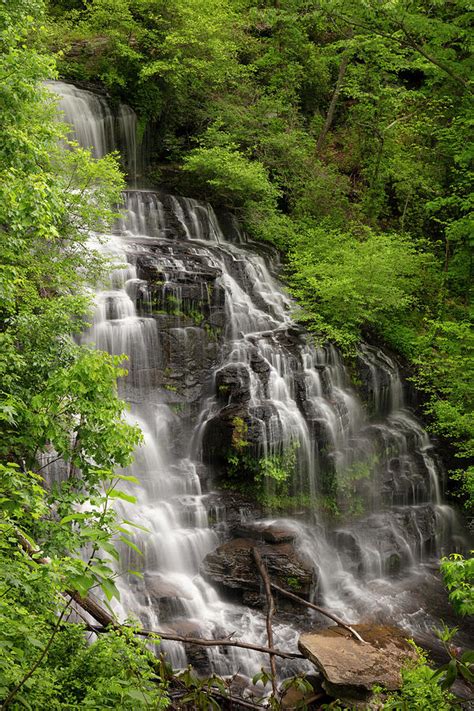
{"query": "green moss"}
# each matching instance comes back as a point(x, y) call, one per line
point(293, 583)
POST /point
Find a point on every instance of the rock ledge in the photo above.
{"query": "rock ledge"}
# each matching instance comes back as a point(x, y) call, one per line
point(351, 668)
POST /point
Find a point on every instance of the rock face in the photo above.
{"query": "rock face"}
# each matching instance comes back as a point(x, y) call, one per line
point(232, 567)
point(351, 668)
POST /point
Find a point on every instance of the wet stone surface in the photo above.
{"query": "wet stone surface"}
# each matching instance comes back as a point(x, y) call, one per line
point(232, 567)
point(351, 668)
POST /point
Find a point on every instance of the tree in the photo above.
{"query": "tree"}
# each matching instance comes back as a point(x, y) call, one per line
point(57, 400)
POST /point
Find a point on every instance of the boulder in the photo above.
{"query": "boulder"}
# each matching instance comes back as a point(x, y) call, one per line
point(351, 668)
point(232, 567)
point(278, 533)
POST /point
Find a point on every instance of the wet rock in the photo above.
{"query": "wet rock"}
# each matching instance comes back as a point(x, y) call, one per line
point(394, 539)
point(278, 533)
point(232, 567)
point(159, 588)
point(168, 598)
point(219, 440)
point(261, 367)
point(196, 654)
point(187, 628)
point(350, 668)
point(233, 383)
point(253, 599)
point(273, 533)
point(233, 509)
point(248, 529)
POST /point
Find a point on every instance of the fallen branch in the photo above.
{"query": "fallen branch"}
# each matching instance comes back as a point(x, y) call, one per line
point(321, 610)
point(237, 700)
point(270, 612)
point(202, 642)
point(107, 621)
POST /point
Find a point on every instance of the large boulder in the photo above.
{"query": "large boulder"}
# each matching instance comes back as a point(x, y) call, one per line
point(350, 667)
point(232, 568)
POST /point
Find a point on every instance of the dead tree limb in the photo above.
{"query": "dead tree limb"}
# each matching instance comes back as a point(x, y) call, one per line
point(94, 609)
point(321, 610)
point(203, 642)
point(237, 700)
point(270, 612)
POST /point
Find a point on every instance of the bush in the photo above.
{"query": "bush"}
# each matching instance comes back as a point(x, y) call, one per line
point(227, 177)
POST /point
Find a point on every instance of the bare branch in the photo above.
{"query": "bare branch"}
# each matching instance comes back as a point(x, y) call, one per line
point(270, 611)
point(321, 610)
point(203, 642)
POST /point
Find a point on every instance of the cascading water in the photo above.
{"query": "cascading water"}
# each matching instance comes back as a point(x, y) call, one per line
point(212, 345)
point(96, 127)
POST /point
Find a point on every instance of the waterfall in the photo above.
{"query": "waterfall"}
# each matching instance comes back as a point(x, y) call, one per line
point(96, 127)
point(209, 333)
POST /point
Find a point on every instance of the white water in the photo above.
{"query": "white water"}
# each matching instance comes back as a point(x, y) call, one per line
point(172, 252)
point(95, 127)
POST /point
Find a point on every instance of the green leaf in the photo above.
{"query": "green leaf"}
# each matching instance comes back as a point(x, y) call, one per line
point(74, 517)
point(82, 583)
point(117, 494)
point(110, 549)
point(130, 543)
point(110, 589)
point(136, 525)
point(122, 477)
point(467, 657)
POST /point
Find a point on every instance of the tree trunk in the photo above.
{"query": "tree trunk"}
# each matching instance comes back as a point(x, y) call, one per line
point(333, 103)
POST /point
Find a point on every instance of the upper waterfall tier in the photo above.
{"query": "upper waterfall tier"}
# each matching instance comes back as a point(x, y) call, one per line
point(95, 126)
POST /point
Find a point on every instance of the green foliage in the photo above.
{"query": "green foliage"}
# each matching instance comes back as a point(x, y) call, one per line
point(458, 576)
point(278, 467)
point(419, 689)
point(266, 478)
point(445, 373)
point(460, 665)
point(347, 147)
point(227, 177)
point(167, 57)
point(239, 434)
point(347, 282)
point(58, 402)
point(293, 583)
point(44, 659)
